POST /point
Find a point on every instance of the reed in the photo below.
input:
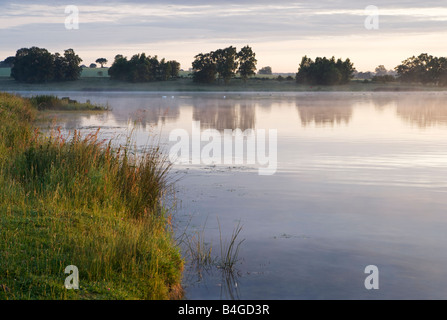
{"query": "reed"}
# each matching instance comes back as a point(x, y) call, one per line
point(75, 200)
point(52, 102)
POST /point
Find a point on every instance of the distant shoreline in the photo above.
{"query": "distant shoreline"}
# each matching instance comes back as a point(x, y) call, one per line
point(98, 84)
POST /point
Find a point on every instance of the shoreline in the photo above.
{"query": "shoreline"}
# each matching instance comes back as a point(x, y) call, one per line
point(185, 85)
point(82, 218)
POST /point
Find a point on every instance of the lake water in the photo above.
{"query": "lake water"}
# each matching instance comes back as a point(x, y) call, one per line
point(361, 180)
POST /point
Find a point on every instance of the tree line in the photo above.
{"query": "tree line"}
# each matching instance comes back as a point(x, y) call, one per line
point(224, 64)
point(142, 68)
point(425, 69)
point(37, 65)
point(324, 71)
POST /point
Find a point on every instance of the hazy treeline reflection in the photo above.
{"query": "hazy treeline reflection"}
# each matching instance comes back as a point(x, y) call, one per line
point(328, 110)
point(424, 112)
point(238, 111)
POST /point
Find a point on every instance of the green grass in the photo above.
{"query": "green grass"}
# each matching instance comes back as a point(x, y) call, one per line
point(51, 102)
point(5, 72)
point(95, 73)
point(75, 201)
point(86, 72)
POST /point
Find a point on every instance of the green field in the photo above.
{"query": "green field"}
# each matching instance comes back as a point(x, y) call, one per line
point(86, 72)
point(95, 73)
point(5, 72)
point(98, 80)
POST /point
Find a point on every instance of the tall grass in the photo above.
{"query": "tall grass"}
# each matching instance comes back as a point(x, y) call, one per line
point(51, 102)
point(74, 200)
point(229, 249)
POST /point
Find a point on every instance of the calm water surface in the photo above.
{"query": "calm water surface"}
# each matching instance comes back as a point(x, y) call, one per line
point(361, 180)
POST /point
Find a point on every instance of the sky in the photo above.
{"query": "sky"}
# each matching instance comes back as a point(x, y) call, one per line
point(280, 32)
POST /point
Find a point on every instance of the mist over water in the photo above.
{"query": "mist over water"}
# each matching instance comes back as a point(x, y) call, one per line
point(361, 180)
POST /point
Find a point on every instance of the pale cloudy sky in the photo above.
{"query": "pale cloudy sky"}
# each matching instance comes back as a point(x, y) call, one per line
point(280, 32)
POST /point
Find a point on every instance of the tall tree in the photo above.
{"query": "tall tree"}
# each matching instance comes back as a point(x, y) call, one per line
point(102, 61)
point(423, 69)
point(119, 68)
point(142, 68)
point(33, 65)
point(204, 68)
point(38, 65)
point(346, 69)
point(175, 68)
point(324, 71)
point(265, 70)
point(381, 70)
point(71, 69)
point(247, 63)
point(7, 63)
point(165, 69)
point(226, 63)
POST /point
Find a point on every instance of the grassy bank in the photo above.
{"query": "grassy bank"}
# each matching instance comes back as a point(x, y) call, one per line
point(79, 202)
point(51, 102)
point(187, 85)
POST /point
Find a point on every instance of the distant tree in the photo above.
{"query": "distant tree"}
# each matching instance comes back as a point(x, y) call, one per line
point(265, 70)
point(381, 70)
point(441, 76)
point(223, 64)
point(247, 63)
point(324, 71)
point(423, 69)
point(346, 69)
point(363, 75)
point(175, 68)
point(226, 63)
point(384, 79)
point(33, 65)
point(102, 61)
point(93, 65)
point(204, 68)
point(70, 68)
point(7, 63)
point(154, 67)
point(165, 69)
point(119, 69)
point(303, 75)
point(142, 68)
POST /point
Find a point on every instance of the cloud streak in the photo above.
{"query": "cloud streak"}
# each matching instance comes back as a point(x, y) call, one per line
point(199, 24)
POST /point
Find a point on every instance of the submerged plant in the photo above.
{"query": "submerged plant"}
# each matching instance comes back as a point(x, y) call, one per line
point(229, 250)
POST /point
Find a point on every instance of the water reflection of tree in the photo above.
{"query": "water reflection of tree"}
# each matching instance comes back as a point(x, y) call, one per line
point(70, 121)
point(145, 112)
point(223, 114)
point(423, 111)
point(324, 110)
point(152, 116)
point(382, 101)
